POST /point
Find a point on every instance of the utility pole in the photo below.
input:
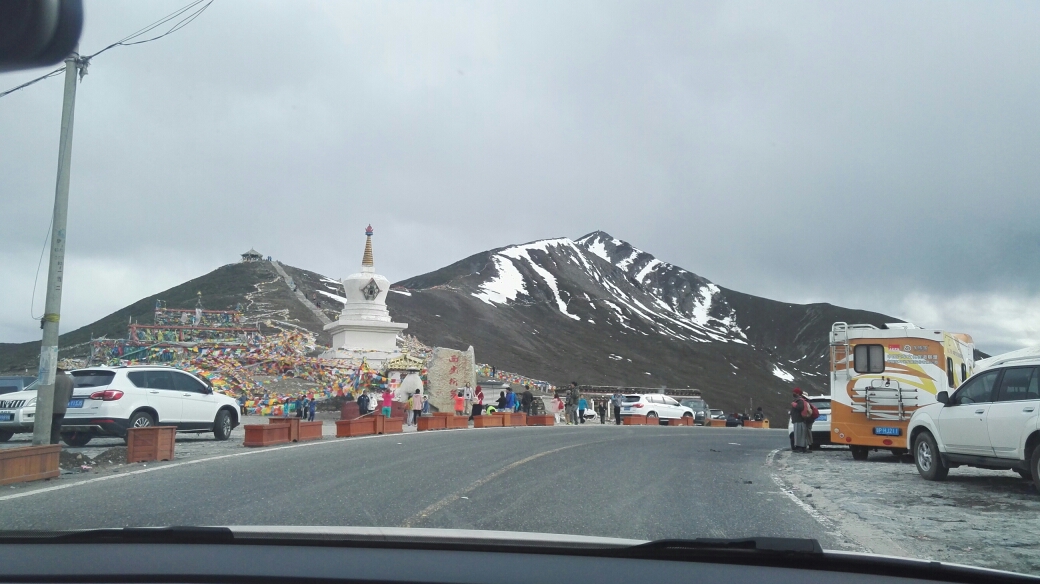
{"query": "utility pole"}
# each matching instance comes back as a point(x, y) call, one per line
point(56, 269)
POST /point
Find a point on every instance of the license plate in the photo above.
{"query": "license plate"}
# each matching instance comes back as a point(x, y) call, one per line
point(75, 403)
point(626, 407)
point(6, 417)
point(822, 417)
point(887, 431)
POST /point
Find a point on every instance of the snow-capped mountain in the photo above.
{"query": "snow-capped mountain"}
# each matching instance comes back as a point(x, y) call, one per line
point(600, 311)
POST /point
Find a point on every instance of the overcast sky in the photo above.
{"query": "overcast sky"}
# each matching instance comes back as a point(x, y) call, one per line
point(883, 156)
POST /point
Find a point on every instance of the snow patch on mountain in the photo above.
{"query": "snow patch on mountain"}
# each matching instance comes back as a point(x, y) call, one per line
point(780, 373)
point(506, 286)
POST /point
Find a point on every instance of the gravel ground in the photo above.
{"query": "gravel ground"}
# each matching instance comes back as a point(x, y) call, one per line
point(976, 517)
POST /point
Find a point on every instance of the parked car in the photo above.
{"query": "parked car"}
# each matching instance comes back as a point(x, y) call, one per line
point(655, 406)
point(17, 411)
point(991, 422)
point(821, 428)
point(717, 414)
point(699, 407)
point(106, 401)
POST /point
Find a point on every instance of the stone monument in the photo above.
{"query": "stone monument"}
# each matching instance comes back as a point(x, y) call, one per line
point(364, 328)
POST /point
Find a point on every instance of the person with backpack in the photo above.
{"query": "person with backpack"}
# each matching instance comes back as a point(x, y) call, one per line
point(801, 413)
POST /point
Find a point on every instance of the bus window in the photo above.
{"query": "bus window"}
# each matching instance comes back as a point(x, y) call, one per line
point(964, 372)
point(869, 359)
point(951, 377)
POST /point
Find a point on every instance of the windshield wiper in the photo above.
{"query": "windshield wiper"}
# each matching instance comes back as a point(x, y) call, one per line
point(719, 549)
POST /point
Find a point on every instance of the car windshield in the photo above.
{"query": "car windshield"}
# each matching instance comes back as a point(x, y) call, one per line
point(484, 266)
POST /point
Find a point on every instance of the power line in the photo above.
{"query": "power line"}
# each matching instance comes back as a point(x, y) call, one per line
point(28, 83)
point(126, 41)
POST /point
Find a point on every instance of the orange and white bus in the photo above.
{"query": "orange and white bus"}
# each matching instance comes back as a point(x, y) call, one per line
point(879, 376)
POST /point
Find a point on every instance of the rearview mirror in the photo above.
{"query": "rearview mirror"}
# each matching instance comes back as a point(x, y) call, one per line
point(943, 398)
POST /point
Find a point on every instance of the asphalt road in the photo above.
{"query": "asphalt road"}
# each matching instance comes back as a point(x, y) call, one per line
point(633, 482)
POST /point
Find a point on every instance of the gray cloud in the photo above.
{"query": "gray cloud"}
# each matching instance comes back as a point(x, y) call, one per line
point(880, 156)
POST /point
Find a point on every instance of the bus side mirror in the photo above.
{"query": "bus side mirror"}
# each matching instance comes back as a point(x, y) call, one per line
point(943, 398)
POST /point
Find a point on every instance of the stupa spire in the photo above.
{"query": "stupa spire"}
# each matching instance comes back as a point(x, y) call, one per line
point(366, 260)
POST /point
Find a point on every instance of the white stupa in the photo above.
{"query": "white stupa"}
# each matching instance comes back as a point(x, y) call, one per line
point(364, 328)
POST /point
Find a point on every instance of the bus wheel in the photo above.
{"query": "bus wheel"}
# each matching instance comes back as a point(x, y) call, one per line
point(859, 452)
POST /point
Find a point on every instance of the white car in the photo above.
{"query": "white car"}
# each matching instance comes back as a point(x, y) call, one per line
point(17, 411)
point(821, 428)
point(108, 400)
point(991, 421)
point(654, 406)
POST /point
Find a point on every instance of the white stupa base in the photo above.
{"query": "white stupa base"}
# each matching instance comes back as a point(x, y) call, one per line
point(351, 337)
point(354, 357)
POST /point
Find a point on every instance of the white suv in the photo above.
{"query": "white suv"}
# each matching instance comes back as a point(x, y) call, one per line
point(108, 400)
point(655, 406)
point(991, 421)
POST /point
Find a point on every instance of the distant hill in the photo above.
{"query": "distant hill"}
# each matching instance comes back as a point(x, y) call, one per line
point(594, 310)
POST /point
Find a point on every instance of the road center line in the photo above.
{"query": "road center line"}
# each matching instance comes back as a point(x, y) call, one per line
point(477, 484)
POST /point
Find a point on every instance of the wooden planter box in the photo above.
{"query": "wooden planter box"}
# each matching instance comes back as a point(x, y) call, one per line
point(393, 426)
point(545, 420)
point(360, 427)
point(349, 411)
point(511, 418)
point(633, 420)
point(151, 443)
point(29, 463)
point(294, 426)
point(444, 413)
point(487, 421)
point(752, 424)
point(261, 435)
point(717, 424)
point(458, 422)
point(309, 431)
point(432, 423)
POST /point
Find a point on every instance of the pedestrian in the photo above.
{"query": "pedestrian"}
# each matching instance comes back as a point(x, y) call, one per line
point(425, 404)
point(362, 404)
point(559, 409)
point(501, 401)
point(311, 409)
point(526, 399)
point(478, 402)
point(467, 394)
point(583, 405)
point(510, 399)
point(460, 403)
point(800, 438)
point(408, 411)
point(573, 396)
point(385, 401)
point(299, 406)
point(417, 406)
point(601, 410)
point(616, 400)
point(63, 386)
point(285, 408)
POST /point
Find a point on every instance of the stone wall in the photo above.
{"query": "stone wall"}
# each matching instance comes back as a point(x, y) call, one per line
point(448, 371)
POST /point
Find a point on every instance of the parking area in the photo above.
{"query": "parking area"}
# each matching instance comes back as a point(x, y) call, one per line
point(977, 517)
